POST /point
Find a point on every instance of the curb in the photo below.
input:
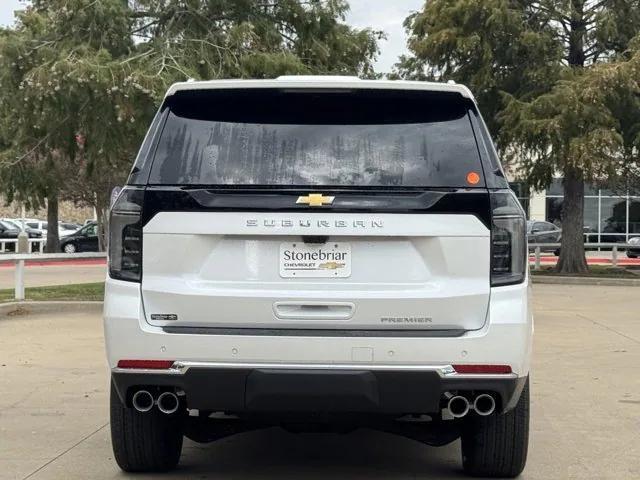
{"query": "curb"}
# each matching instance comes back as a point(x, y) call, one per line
point(610, 282)
point(13, 309)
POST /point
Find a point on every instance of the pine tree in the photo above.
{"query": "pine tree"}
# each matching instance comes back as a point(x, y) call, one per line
point(74, 101)
point(81, 79)
point(252, 38)
point(533, 66)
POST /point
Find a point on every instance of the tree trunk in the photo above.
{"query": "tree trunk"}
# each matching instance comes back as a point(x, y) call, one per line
point(102, 205)
point(572, 259)
point(103, 232)
point(53, 240)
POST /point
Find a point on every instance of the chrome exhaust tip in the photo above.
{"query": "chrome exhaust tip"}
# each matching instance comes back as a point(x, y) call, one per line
point(142, 401)
point(168, 402)
point(458, 406)
point(484, 404)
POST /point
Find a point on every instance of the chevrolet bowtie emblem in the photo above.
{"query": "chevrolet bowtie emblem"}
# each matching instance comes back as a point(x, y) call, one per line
point(316, 200)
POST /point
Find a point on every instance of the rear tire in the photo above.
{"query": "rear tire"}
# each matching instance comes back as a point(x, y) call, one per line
point(496, 446)
point(144, 442)
point(69, 248)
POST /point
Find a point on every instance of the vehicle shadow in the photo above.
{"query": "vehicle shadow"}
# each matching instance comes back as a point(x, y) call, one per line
point(274, 453)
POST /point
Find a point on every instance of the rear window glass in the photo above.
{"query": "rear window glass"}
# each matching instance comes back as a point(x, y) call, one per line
point(301, 138)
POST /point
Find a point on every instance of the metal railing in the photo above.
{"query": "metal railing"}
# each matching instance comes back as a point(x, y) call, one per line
point(40, 242)
point(615, 247)
point(20, 258)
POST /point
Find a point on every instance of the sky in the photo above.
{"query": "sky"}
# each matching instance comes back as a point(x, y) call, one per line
point(7, 7)
point(386, 15)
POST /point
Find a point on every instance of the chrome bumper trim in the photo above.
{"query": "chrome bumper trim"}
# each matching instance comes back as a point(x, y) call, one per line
point(445, 371)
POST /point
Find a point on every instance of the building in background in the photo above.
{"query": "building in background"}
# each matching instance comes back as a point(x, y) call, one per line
point(609, 215)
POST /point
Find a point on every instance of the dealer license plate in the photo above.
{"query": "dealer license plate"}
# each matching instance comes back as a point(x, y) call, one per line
point(315, 260)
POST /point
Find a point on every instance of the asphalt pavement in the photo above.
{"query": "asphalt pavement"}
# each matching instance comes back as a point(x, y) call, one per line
point(585, 420)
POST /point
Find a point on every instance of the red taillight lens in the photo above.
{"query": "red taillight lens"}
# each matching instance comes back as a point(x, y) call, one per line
point(486, 369)
point(125, 235)
point(146, 364)
point(508, 240)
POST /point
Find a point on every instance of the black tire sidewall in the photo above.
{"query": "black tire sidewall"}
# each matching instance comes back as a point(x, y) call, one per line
point(497, 445)
point(144, 442)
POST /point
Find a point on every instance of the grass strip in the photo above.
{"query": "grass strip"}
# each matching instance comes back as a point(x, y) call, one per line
point(73, 292)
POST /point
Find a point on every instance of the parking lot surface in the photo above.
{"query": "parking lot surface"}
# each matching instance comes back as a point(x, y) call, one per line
point(585, 420)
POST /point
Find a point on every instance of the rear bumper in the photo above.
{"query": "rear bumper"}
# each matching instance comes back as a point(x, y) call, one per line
point(247, 371)
point(245, 389)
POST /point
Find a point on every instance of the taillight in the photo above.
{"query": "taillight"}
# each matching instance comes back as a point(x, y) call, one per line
point(508, 239)
point(125, 236)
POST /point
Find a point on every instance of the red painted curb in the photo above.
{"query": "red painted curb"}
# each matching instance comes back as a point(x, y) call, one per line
point(592, 261)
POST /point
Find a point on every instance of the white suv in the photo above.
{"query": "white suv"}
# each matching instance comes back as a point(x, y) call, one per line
point(313, 251)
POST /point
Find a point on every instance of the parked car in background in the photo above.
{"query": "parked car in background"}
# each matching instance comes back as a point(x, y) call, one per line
point(84, 240)
point(31, 232)
point(544, 233)
point(66, 228)
point(70, 225)
point(635, 251)
point(33, 224)
point(10, 231)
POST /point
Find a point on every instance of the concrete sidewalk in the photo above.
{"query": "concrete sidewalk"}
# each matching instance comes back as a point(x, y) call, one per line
point(585, 406)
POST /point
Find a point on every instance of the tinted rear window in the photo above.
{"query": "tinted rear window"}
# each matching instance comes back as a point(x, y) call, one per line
point(301, 138)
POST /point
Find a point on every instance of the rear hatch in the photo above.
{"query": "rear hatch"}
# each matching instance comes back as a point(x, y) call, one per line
point(334, 210)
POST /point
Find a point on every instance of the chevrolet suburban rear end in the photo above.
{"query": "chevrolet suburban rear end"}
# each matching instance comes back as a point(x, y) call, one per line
point(318, 252)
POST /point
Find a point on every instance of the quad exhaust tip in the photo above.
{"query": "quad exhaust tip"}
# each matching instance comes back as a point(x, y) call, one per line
point(168, 403)
point(142, 401)
point(484, 404)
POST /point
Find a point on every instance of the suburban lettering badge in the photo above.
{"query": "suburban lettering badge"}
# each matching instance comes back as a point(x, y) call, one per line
point(288, 223)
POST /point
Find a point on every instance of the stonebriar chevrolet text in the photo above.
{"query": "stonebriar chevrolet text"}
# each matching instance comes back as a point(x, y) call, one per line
point(318, 253)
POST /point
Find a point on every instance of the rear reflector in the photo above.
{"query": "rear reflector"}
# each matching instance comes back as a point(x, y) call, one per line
point(491, 369)
point(146, 364)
